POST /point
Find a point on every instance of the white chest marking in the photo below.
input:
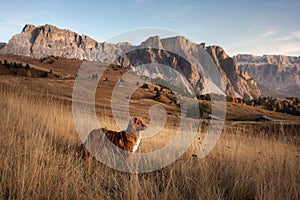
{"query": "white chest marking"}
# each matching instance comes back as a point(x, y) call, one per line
point(136, 146)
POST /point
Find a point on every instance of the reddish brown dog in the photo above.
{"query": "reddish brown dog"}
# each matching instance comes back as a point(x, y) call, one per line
point(127, 140)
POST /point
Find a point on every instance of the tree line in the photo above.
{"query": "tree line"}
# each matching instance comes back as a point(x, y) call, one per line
point(19, 69)
point(14, 65)
point(290, 105)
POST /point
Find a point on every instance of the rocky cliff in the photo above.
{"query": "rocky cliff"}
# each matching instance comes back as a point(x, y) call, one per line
point(177, 52)
point(236, 82)
point(276, 75)
point(42, 41)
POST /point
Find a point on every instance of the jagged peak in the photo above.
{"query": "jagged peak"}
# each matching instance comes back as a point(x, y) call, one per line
point(31, 27)
point(202, 45)
point(218, 51)
point(28, 28)
point(49, 26)
point(216, 47)
point(179, 39)
point(153, 41)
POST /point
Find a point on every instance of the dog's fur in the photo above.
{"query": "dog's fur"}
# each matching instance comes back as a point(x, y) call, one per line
point(127, 140)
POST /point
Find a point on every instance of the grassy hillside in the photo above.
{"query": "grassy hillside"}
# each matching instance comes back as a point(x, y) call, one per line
point(59, 66)
point(38, 139)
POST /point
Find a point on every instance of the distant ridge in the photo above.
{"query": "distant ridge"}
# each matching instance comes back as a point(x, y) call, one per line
point(276, 75)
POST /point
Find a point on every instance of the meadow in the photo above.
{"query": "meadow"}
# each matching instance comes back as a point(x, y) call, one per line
point(38, 138)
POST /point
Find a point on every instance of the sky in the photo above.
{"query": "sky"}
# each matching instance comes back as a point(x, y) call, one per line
point(252, 27)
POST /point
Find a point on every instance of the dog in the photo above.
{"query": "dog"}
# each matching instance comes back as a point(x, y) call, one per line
point(127, 140)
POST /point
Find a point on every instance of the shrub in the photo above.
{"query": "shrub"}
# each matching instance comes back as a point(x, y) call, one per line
point(44, 74)
point(157, 95)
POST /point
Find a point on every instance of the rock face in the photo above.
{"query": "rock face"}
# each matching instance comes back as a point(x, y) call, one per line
point(236, 82)
point(276, 75)
point(188, 58)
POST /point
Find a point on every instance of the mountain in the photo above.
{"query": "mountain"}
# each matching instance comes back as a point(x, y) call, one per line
point(276, 75)
point(47, 40)
point(177, 52)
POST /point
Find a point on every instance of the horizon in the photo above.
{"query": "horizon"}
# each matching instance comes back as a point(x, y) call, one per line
point(264, 28)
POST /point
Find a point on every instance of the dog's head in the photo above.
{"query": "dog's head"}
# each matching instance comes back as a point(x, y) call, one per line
point(138, 123)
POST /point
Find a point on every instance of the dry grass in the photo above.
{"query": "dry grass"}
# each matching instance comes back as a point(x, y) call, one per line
point(38, 137)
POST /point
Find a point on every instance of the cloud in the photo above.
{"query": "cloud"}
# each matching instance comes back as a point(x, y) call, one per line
point(292, 36)
point(268, 33)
